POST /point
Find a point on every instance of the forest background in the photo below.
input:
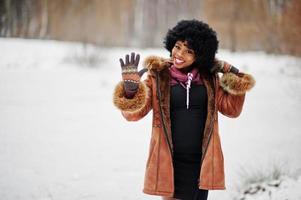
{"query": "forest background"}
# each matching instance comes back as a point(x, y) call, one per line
point(272, 26)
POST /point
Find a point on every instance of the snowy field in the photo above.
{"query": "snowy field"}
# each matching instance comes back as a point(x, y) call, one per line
point(62, 138)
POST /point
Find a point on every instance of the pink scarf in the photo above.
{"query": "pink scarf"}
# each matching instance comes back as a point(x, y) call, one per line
point(185, 80)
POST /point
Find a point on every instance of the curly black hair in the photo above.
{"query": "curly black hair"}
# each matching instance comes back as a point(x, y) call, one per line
point(200, 38)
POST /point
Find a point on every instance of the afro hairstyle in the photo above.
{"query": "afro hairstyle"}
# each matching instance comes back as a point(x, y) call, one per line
point(200, 38)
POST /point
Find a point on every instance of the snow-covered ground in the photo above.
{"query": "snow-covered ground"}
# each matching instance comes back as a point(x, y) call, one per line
point(62, 138)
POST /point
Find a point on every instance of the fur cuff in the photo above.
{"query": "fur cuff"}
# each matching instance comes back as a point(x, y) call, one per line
point(237, 85)
point(124, 104)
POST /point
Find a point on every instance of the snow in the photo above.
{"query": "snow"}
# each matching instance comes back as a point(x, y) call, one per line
point(62, 138)
point(284, 188)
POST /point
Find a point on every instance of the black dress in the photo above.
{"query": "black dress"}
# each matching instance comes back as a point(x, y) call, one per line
point(187, 126)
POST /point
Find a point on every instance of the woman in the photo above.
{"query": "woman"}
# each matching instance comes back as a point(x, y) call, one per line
point(185, 93)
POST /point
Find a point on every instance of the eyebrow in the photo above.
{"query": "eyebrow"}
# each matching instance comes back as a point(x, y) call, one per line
point(186, 45)
point(182, 44)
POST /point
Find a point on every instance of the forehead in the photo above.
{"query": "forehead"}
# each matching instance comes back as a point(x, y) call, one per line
point(183, 43)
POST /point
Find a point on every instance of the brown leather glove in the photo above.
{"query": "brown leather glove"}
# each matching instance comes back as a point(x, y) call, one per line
point(130, 75)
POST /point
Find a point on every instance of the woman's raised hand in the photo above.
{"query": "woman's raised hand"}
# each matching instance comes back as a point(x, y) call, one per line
point(223, 67)
point(130, 75)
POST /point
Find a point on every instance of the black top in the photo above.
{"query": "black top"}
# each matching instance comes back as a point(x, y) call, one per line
point(187, 126)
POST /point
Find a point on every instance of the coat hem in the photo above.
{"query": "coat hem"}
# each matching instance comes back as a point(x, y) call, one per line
point(158, 193)
point(204, 187)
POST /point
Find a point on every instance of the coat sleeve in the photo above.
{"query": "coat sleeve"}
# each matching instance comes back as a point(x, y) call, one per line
point(231, 93)
point(137, 107)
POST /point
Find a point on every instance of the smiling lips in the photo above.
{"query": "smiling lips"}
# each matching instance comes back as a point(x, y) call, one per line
point(178, 61)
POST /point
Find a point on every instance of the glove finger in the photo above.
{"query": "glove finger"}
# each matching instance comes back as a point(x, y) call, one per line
point(127, 57)
point(234, 70)
point(137, 60)
point(132, 58)
point(142, 71)
point(121, 62)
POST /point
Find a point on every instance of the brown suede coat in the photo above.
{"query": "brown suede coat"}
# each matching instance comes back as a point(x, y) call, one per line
point(226, 96)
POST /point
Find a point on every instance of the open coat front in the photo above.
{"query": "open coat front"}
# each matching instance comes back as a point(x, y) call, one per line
point(225, 95)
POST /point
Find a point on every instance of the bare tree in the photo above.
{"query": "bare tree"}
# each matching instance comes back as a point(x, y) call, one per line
point(233, 25)
point(44, 19)
point(271, 25)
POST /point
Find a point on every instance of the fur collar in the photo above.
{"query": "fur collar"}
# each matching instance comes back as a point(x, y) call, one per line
point(157, 63)
point(233, 84)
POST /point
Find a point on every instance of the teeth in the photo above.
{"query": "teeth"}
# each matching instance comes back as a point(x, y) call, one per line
point(178, 61)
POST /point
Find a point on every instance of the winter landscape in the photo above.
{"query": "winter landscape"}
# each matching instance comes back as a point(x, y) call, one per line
point(62, 138)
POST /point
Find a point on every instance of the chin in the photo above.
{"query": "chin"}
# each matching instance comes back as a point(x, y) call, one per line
point(180, 66)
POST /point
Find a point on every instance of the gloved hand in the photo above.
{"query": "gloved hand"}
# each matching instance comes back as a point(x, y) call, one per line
point(224, 67)
point(130, 75)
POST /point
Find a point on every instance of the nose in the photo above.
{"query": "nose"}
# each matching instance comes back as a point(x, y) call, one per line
point(179, 53)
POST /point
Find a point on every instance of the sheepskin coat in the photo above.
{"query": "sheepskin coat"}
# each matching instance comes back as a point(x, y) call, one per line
point(225, 95)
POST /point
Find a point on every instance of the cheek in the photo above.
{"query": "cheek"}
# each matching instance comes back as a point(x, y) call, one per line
point(173, 52)
point(192, 59)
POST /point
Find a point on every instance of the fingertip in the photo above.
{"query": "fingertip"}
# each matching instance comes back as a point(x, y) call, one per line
point(121, 62)
point(127, 59)
point(132, 58)
point(137, 59)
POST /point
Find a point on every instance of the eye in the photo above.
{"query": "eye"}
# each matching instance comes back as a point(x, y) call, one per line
point(177, 46)
point(190, 52)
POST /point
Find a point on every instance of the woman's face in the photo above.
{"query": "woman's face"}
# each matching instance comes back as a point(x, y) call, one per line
point(181, 55)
